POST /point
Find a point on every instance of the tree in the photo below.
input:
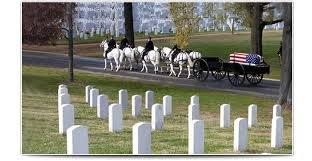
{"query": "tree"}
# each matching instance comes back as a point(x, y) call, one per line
point(43, 23)
point(285, 92)
point(69, 15)
point(185, 20)
point(128, 14)
point(253, 17)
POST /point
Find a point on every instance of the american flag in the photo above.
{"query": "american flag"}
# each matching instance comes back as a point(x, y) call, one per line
point(244, 58)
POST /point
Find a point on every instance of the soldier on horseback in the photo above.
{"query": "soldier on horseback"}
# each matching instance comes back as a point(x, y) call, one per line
point(148, 47)
point(111, 45)
point(124, 43)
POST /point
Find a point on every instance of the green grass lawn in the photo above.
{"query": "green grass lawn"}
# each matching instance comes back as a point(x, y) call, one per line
point(40, 119)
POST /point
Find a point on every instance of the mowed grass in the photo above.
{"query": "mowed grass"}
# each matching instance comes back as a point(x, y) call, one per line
point(40, 119)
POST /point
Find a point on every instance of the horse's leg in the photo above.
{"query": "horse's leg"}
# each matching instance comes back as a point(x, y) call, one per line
point(111, 65)
point(172, 70)
point(130, 63)
point(143, 62)
point(117, 64)
point(105, 64)
point(189, 72)
point(145, 66)
point(180, 68)
point(155, 68)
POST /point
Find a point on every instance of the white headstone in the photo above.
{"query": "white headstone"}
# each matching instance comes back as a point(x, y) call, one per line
point(62, 86)
point(196, 137)
point(195, 100)
point(157, 117)
point(277, 132)
point(141, 138)
point(102, 32)
point(93, 97)
point(81, 35)
point(63, 99)
point(193, 113)
point(102, 106)
point(123, 98)
point(62, 90)
point(136, 105)
point(115, 118)
point(66, 117)
point(85, 36)
point(252, 115)
point(167, 105)
point(98, 30)
point(149, 99)
point(240, 134)
point(77, 140)
point(87, 92)
point(277, 110)
point(92, 32)
point(225, 116)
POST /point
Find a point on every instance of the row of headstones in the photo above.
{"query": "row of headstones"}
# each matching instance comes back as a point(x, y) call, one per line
point(77, 135)
point(113, 111)
point(142, 130)
point(196, 127)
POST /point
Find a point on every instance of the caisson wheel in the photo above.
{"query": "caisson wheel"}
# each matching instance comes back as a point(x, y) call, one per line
point(200, 69)
point(236, 74)
point(218, 74)
point(254, 79)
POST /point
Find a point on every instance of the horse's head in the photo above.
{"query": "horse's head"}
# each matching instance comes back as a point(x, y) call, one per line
point(104, 44)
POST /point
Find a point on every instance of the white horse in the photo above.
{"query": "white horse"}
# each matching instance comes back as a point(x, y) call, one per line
point(181, 59)
point(130, 55)
point(116, 54)
point(152, 56)
point(164, 55)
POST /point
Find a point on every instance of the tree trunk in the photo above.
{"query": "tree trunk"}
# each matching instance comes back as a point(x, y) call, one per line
point(129, 22)
point(70, 42)
point(232, 26)
point(256, 29)
point(285, 92)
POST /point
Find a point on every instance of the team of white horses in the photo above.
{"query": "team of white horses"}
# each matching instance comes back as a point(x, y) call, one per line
point(156, 57)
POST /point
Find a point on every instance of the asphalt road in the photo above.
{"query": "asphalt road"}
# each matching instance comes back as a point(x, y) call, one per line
point(267, 88)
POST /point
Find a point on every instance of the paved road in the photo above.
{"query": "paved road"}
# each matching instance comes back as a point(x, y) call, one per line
point(267, 88)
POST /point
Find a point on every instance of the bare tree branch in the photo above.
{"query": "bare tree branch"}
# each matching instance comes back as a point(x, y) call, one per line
point(66, 31)
point(272, 22)
point(269, 8)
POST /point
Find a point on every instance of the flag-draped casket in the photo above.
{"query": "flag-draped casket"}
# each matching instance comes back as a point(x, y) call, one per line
point(245, 58)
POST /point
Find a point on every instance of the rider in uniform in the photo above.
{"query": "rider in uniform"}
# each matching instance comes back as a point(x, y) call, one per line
point(111, 46)
point(175, 51)
point(148, 47)
point(124, 43)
